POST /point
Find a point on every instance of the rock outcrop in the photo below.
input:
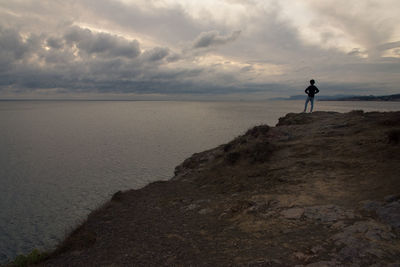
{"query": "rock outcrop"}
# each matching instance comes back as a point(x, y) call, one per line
point(319, 189)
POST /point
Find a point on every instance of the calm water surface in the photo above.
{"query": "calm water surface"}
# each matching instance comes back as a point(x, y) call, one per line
point(61, 159)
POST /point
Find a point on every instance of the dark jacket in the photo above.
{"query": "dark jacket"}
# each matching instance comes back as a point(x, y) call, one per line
point(311, 91)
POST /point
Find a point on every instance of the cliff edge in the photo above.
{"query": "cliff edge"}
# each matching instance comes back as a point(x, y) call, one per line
point(320, 189)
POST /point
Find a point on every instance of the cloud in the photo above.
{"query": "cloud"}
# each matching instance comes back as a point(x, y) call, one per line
point(213, 38)
point(12, 47)
point(80, 60)
point(55, 43)
point(388, 46)
point(357, 52)
point(173, 47)
point(170, 24)
point(156, 54)
point(102, 43)
point(364, 23)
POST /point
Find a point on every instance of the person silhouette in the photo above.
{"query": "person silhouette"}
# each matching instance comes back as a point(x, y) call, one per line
point(311, 91)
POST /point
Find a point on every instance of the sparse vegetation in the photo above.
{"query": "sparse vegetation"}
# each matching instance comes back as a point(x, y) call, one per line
point(32, 258)
point(261, 130)
point(80, 238)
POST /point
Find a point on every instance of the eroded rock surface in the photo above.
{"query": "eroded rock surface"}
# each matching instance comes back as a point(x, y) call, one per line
point(320, 189)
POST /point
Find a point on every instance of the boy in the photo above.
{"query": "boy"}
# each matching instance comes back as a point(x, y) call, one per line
point(311, 91)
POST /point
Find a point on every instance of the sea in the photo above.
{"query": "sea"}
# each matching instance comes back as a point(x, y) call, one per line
point(60, 160)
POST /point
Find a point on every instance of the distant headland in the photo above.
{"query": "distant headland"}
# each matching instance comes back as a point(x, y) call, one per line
point(395, 97)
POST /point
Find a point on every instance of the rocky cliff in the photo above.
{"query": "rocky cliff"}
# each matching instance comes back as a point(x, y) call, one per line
point(319, 189)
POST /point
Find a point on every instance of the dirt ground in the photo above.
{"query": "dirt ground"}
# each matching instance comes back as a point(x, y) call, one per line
point(320, 189)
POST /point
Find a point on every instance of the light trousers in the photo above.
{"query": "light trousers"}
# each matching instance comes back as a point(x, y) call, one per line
point(309, 99)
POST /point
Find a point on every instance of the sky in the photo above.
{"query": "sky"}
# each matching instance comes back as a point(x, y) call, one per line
point(188, 49)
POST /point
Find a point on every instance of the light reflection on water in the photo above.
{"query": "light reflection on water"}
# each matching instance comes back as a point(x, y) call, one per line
point(61, 159)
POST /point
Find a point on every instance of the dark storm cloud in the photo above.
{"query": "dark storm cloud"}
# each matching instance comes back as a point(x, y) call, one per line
point(56, 43)
point(12, 46)
point(80, 60)
point(102, 43)
point(77, 59)
point(355, 52)
point(213, 38)
point(156, 54)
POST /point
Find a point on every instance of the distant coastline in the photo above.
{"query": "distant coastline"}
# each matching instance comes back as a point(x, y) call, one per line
point(395, 97)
